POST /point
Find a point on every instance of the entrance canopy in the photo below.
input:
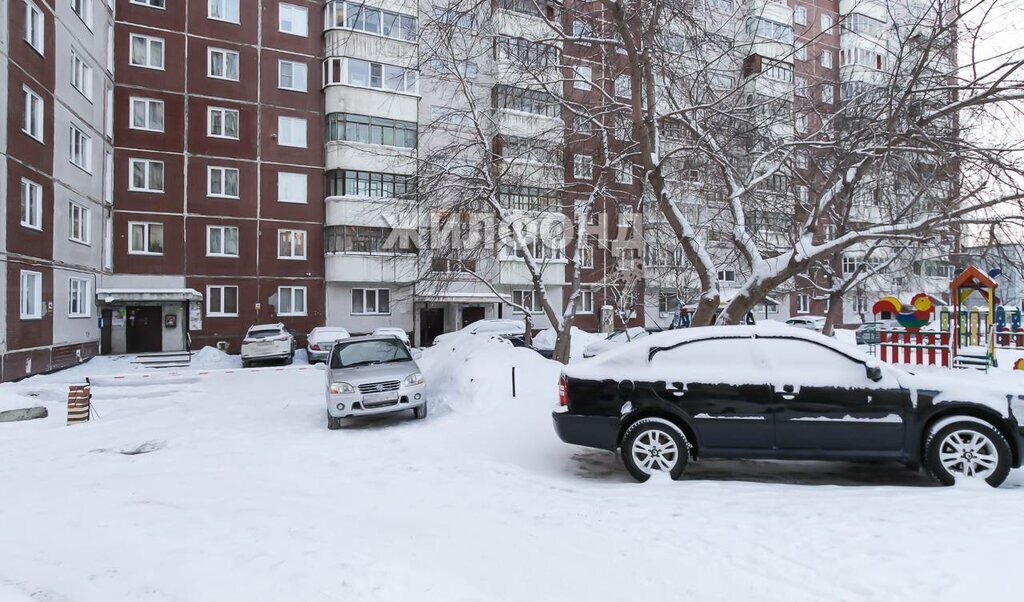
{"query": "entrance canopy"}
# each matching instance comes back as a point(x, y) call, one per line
point(111, 296)
point(462, 297)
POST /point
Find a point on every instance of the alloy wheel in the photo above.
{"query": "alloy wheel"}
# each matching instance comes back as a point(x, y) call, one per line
point(654, 450)
point(968, 453)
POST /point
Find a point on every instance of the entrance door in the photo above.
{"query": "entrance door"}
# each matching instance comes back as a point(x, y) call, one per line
point(471, 314)
point(431, 324)
point(106, 331)
point(144, 330)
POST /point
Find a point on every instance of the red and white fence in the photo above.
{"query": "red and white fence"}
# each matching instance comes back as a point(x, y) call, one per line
point(920, 348)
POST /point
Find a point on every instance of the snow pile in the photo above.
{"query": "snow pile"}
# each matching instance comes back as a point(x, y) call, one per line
point(845, 337)
point(545, 339)
point(473, 375)
point(211, 358)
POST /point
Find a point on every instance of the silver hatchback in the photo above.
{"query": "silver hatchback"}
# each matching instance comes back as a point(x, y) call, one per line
point(372, 375)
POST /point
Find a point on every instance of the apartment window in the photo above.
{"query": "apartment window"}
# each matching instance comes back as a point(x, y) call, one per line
point(624, 174)
point(827, 94)
point(222, 182)
point(369, 184)
point(83, 8)
point(582, 30)
point(223, 10)
point(826, 59)
point(147, 52)
point(147, 114)
point(625, 215)
point(801, 125)
point(222, 123)
point(31, 205)
point(291, 131)
point(586, 302)
point(146, 238)
point(80, 149)
point(221, 301)
point(526, 298)
point(291, 187)
point(800, 15)
point(528, 54)
point(35, 31)
point(110, 48)
point(780, 72)
point(529, 198)
point(525, 100)
point(32, 118)
point(31, 295)
point(79, 305)
point(147, 175)
point(371, 130)
point(292, 76)
point(803, 304)
point(374, 301)
point(293, 20)
point(367, 239)
point(766, 28)
point(800, 86)
point(81, 75)
point(582, 77)
point(587, 256)
point(222, 64)
point(151, 3)
point(623, 86)
point(78, 223)
point(802, 194)
point(291, 244)
point(826, 23)
point(726, 275)
point(583, 167)
point(291, 300)
point(370, 19)
point(367, 74)
point(221, 241)
point(801, 53)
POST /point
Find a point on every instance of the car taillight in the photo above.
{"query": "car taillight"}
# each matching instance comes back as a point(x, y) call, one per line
point(563, 392)
point(315, 347)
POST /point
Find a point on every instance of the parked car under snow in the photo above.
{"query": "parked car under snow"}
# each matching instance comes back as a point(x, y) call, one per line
point(782, 393)
point(268, 342)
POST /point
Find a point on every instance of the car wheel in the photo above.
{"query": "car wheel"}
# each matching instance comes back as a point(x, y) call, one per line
point(420, 412)
point(333, 423)
point(288, 360)
point(245, 364)
point(655, 444)
point(967, 448)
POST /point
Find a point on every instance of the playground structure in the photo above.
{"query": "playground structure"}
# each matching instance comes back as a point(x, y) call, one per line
point(965, 337)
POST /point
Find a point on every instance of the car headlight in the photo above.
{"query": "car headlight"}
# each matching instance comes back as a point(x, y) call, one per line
point(413, 379)
point(342, 388)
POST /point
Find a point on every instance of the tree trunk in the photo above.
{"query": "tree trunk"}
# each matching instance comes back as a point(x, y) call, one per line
point(562, 346)
point(528, 335)
point(834, 316)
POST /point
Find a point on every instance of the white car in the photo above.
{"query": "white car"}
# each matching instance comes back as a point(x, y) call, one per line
point(265, 342)
point(615, 339)
point(389, 331)
point(489, 327)
point(815, 323)
point(320, 339)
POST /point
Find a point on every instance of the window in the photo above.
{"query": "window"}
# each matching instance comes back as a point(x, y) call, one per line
point(291, 131)
point(767, 28)
point(462, 68)
point(525, 100)
point(222, 182)
point(367, 239)
point(291, 244)
point(587, 256)
point(369, 19)
point(79, 305)
point(146, 175)
point(31, 205)
point(224, 10)
point(371, 301)
point(32, 121)
point(801, 125)
point(803, 194)
point(34, 27)
point(83, 8)
point(78, 223)
point(827, 94)
point(582, 167)
point(800, 15)
point(726, 275)
point(586, 302)
point(292, 76)
point(623, 86)
point(151, 3)
point(800, 86)
point(863, 24)
point(668, 302)
point(780, 72)
point(293, 20)
point(222, 64)
point(221, 301)
point(291, 300)
point(371, 130)
point(526, 298)
point(529, 198)
point(291, 187)
point(525, 53)
point(31, 295)
point(221, 241)
point(222, 123)
point(582, 77)
point(826, 59)
point(803, 303)
point(80, 149)
point(377, 76)
point(625, 216)
point(81, 75)
point(826, 23)
point(146, 238)
point(147, 52)
point(801, 53)
point(369, 184)
point(147, 114)
point(624, 174)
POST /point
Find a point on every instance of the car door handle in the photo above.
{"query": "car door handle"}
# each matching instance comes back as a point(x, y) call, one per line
point(788, 395)
point(676, 389)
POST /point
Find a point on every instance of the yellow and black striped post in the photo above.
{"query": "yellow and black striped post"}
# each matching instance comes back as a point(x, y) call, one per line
point(79, 397)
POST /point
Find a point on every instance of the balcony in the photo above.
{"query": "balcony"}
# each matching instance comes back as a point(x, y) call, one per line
point(342, 98)
point(368, 267)
point(369, 157)
point(372, 212)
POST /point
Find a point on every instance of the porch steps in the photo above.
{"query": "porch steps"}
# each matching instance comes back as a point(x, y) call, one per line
point(170, 359)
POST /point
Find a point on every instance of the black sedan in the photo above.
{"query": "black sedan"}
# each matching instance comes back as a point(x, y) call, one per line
point(782, 393)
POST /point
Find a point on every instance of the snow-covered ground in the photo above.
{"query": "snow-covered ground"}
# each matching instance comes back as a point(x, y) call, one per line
point(222, 484)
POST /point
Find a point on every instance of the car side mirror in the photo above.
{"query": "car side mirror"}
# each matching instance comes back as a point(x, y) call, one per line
point(874, 372)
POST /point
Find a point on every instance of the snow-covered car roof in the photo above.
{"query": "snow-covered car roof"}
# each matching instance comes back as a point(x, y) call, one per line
point(277, 326)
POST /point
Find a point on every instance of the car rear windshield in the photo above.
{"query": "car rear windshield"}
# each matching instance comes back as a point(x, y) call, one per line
point(362, 353)
point(263, 334)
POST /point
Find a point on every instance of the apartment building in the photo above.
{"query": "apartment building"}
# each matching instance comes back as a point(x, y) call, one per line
point(55, 150)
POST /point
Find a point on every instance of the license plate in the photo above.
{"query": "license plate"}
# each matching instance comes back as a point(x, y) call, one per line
point(380, 397)
point(267, 345)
